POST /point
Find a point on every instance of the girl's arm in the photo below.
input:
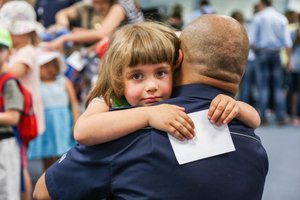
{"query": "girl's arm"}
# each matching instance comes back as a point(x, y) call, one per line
point(64, 16)
point(223, 109)
point(112, 20)
point(248, 115)
point(97, 125)
point(19, 69)
point(10, 117)
point(40, 190)
point(73, 100)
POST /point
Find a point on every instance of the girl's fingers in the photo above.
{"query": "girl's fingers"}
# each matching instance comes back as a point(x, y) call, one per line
point(183, 128)
point(181, 108)
point(234, 112)
point(226, 112)
point(218, 111)
point(175, 133)
point(186, 119)
point(213, 106)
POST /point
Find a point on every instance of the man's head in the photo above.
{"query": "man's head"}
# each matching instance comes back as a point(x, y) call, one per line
point(215, 50)
point(266, 2)
point(204, 3)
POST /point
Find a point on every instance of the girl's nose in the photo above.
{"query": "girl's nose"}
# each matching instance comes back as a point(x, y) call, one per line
point(151, 86)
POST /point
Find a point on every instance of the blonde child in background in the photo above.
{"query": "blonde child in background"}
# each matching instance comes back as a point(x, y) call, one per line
point(12, 105)
point(60, 107)
point(137, 70)
point(19, 18)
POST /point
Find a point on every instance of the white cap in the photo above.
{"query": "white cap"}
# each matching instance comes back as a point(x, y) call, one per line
point(45, 56)
point(18, 17)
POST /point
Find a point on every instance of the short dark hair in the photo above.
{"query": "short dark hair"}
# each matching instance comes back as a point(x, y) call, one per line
point(3, 47)
point(267, 2)
point(238, 15)
point(204, 3)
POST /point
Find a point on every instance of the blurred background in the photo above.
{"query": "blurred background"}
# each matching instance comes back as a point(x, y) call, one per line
point(225, 7)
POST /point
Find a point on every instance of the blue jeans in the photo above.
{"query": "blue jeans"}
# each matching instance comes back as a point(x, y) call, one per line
point(293, 81)
point(247, 83)
point(269, 68)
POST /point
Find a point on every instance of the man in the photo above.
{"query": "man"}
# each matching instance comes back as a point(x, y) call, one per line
point(204, 7)
point(249, 78)
point(142, 165)
point(270, 35)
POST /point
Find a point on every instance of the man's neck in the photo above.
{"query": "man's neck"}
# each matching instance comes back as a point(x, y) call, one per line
point(230, 87)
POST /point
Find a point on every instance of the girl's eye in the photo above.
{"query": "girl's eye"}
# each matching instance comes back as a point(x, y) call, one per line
point(136, 76)
point(161, 73)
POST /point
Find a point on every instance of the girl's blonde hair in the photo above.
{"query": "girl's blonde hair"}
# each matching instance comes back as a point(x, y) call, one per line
point(131, 45)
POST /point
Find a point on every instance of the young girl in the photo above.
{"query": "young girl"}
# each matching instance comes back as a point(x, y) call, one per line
point(137, 70)
point(10, 111)
point(60, 108)
point(19, 18)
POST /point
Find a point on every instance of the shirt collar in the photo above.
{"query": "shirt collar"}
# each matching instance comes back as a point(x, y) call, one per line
point(198, 90)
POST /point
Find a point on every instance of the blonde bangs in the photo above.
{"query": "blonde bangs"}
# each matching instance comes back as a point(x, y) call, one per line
point(152, 48)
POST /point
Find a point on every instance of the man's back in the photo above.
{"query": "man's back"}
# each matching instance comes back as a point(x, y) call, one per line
point(143, 166)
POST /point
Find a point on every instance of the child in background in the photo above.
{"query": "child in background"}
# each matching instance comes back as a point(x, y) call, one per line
point(60, 107)
point(10, 108)
point(19, 18)
point(137, 70)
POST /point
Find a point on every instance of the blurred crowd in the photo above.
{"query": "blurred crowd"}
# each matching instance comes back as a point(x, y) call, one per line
point(55, 49)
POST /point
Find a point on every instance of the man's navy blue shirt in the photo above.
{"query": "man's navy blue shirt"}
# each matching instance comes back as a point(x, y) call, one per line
point(142, 165)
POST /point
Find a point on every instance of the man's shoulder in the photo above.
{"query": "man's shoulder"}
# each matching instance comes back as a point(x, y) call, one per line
point(238, 128)
point(273, 13)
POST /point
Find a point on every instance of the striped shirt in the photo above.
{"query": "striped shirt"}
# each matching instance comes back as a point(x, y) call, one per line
point(132, 11)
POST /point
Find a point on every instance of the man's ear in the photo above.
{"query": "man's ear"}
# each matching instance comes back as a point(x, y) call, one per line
point(179, 60)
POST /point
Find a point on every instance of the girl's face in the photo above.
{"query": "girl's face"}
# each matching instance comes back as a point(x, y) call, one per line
point(16, 40)
point(147, 84)
point(4, 55)
point(49, 71)
point(20, 40)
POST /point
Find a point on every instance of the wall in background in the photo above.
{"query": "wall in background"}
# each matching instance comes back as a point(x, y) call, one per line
point(294, 5)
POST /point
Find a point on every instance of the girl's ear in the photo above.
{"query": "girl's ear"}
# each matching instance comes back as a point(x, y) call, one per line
point(179, 60)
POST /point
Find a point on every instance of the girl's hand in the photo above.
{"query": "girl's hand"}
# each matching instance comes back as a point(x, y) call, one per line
point(171, 119)
point(56, 44)
point(223, 109)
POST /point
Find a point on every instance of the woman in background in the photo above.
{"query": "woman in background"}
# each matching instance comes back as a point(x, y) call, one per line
point(119, 12)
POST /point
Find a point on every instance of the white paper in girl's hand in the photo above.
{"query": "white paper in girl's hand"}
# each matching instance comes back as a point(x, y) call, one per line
point(210, 140)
